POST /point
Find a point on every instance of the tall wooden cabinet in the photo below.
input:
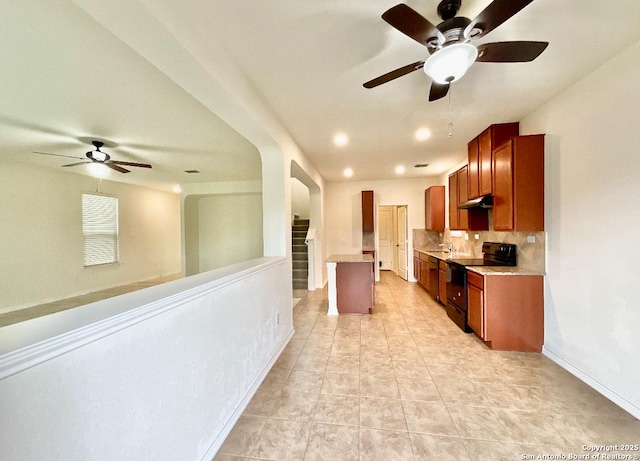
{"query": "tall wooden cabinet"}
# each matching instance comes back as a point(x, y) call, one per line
point(518, 195)
point(434, 208)
point(479, 158)
point(367, 211)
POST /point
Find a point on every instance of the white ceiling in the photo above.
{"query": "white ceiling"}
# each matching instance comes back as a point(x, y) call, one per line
point(67, 79)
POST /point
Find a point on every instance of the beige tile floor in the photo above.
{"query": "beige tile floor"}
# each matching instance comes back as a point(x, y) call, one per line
point(406, 384)
point(9, 318)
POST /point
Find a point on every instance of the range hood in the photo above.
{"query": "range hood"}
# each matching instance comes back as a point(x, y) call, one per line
point(485, 201)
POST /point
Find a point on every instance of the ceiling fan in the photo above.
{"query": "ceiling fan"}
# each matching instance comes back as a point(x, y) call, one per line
point(97, 156)
point(449, 43)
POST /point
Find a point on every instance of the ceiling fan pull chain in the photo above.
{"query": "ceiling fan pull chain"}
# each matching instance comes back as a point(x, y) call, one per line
point(450, 122)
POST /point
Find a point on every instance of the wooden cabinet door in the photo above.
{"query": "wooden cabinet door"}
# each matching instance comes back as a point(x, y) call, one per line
point(442, 286)
point(367, 211)
point(416, 268)
point(453, 201)
point(424, 275)
point(473, 185)
point(475, 305)
point(463, 215)
point(503, 188)
point(434, 208)
point(484, 163)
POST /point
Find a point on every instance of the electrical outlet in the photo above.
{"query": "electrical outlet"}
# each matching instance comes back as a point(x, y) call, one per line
point(531, 239)
point(476, 236)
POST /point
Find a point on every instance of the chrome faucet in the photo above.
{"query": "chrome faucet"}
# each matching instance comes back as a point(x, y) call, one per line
point(452, 250)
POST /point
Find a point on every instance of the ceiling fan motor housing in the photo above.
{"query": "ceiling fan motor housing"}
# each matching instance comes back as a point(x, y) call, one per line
point(448, 9)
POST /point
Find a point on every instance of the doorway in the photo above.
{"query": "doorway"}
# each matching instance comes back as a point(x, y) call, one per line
point(392, 239)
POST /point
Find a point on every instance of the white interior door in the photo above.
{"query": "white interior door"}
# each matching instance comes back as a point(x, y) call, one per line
point(402, 241)
point(385, 237)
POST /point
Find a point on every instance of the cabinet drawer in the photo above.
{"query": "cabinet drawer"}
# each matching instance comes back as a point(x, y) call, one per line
point(476, 280)
point(442, 265)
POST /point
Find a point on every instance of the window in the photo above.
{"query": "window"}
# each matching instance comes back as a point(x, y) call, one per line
point(100, 229)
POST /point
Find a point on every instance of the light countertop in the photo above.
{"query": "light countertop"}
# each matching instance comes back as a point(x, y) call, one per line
point(502, 270)
point(359, 258)
point(482, 270)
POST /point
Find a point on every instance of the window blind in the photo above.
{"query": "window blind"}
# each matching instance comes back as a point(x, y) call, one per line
point(100, 229)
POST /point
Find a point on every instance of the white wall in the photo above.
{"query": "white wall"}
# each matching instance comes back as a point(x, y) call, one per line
point(158, 374)
point(592, 307)
point(343, 234)
point(230, 229)
point(41, 235)
point(299, 199)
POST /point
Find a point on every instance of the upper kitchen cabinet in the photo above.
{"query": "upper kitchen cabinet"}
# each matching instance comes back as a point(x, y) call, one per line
point(480, 160)
point(434, 208)
point(367, 211)
point(462, 219)
point(518, 178)
point(453, 201)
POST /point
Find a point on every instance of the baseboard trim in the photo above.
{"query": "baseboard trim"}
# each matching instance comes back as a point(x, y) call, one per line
point(601, 388)
point(235, 416)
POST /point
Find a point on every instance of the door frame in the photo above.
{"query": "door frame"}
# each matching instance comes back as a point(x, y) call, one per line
point(407, 242)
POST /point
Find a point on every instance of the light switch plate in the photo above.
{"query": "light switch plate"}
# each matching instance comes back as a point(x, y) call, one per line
point(531, 239)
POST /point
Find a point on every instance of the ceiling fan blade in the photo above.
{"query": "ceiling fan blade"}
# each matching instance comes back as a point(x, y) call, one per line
point(413, 24)
point(438, 91)
point(510, 51)
point(492, 16)
point(394, 74)
point(141, 165)
point(74, 164)
point(116, 167)
point(56, 155)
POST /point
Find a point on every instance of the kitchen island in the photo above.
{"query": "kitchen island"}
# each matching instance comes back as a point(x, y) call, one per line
point(351, 284)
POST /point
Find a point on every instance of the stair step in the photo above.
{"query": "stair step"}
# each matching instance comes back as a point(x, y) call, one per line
point(299, 248)
point(300, 264)
point(298, 241)
point(300, 274)
point(300, 228)
point(300, 284)
point(301, 222)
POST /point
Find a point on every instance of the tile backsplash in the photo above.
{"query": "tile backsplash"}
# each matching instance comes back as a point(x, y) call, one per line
point(530, 255)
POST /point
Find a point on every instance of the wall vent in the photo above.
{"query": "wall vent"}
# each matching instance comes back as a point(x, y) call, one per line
point(191, 171)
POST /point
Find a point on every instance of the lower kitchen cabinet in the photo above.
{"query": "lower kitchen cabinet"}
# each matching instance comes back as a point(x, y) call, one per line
point(507, 311)
point(442, 282)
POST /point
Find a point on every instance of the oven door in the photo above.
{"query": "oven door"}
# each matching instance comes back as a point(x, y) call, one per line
point(457, 295)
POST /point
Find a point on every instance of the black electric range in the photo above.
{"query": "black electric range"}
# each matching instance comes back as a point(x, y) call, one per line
point(494, 254)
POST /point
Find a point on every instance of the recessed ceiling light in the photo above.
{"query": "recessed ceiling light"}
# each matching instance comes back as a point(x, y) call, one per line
point(177, 189)
point(399, 169)
point(423, 134)
point(348, 172)
point(438, 168)
point(340, 139)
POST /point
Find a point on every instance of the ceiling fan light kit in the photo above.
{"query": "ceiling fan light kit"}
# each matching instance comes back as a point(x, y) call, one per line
point(450, 63)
